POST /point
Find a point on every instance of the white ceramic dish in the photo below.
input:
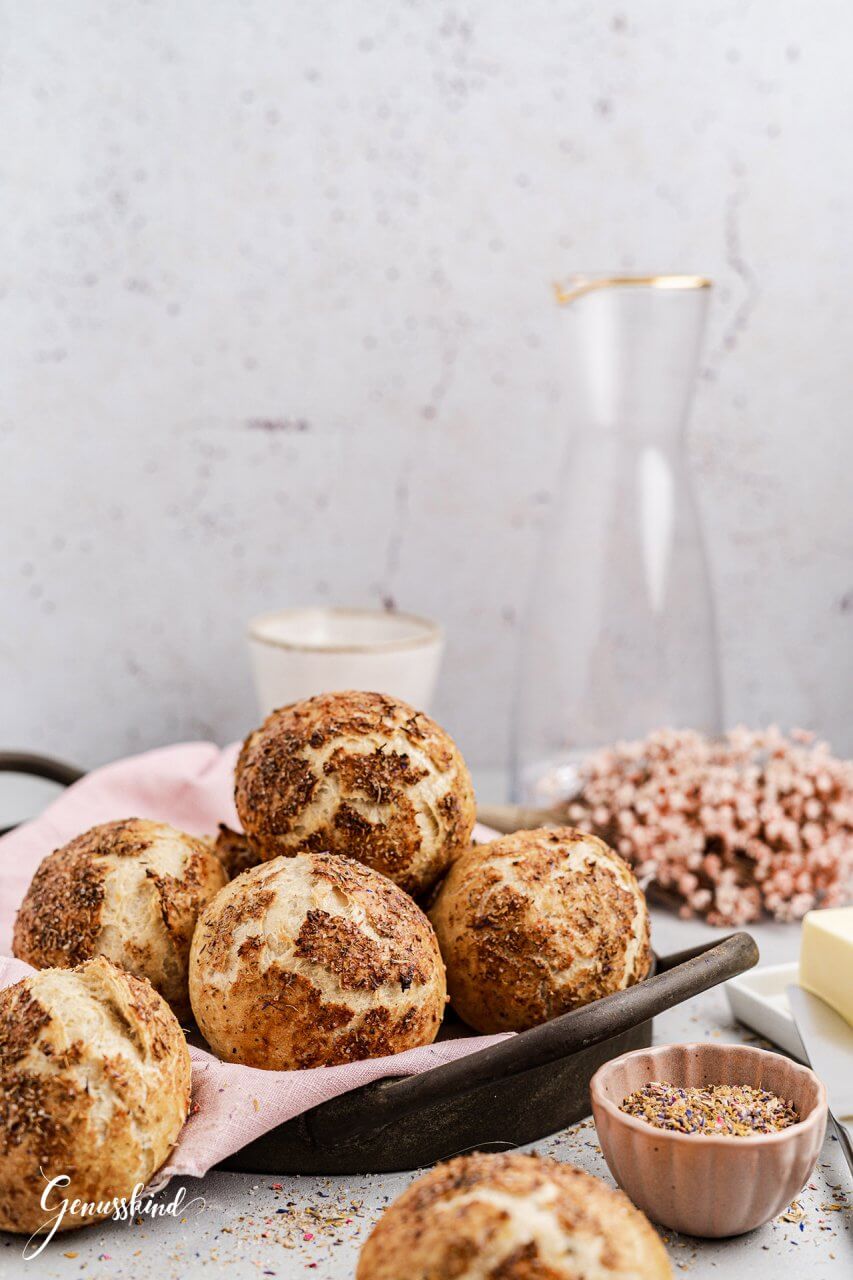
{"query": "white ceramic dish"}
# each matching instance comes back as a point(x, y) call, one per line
point(299, 652)
point(758, 999)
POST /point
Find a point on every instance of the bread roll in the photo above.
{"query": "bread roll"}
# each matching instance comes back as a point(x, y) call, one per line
point(233, 850)
point(129, 890)
point(516, 1217)
point(94, 1084)
point(314, 960)
point(537, 923)
point(358, 774)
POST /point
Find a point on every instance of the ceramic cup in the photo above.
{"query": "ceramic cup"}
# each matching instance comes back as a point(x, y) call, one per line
point(299, 652)
point(710, 1185)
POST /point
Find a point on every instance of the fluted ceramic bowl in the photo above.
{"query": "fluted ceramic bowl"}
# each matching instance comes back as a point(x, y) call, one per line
point(708, 1185)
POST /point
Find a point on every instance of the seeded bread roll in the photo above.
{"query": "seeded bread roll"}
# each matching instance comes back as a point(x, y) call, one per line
point(233, 850)
point(129, 890)
point(314, 960)
point(94, 1084)
point(537, 923)
point(358, 774)
point(512, 1217)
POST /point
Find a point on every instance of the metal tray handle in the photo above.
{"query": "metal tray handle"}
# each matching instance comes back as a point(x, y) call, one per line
point(683, 974)
point(37, 767)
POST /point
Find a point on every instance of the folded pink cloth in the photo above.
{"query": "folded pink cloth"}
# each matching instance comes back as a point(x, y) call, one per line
point(190, 786)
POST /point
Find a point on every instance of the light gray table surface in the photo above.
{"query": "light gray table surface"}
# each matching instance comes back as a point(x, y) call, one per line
point(305, 1226)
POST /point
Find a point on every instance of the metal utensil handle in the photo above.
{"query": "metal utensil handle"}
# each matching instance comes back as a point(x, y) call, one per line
point(681, 975)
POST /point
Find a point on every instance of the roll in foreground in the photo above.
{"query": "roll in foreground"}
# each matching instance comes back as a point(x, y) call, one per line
point(94, 1085)
point(515, 1217)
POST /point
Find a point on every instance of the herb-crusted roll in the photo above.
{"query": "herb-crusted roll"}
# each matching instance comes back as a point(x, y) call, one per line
point(358, 774)
point(538, 923)
point(94, 1086)
point(129, 890)
point(516, 1217)
point(314, 960)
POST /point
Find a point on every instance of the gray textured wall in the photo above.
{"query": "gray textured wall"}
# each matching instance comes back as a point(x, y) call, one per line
point(276, 327)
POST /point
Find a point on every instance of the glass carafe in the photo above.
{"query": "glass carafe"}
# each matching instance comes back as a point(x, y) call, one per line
point(618, 637)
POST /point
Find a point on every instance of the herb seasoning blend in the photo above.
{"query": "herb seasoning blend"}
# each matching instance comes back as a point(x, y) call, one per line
point(734, 1110)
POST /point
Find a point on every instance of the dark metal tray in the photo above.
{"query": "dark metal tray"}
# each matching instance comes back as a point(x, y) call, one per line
point(515, 1092)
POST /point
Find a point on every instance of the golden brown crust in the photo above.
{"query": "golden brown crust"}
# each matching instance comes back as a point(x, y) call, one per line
point(537, 923)
point(60, 917)
point(94, 1084)
point(130, 890)
point(357, 774)
point(358, 963)
point(314, 960)
point(511, 1217)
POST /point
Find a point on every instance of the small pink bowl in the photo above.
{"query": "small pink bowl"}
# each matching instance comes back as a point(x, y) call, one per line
point(714, 1185)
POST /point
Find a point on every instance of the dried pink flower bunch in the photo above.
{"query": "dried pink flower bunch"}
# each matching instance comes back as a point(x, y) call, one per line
point(734, 827)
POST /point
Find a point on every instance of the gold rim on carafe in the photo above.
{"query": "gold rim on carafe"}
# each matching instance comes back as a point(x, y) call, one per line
point(590, 284)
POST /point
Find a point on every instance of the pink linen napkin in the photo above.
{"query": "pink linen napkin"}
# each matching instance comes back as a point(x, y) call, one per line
point(190, 786)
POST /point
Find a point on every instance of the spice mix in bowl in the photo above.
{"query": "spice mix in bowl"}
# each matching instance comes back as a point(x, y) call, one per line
point(732, 1110)
point(709, 1139)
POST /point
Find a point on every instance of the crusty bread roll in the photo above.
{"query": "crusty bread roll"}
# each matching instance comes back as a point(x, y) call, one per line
point(94, 1084)
point(537, 923)
point(314, 960)
point(129, 890)
point(358, 774)
point(233, 850)
point(516, 1217)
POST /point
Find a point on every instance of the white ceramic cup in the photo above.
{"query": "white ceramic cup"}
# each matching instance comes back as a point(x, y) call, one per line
point(299, 652)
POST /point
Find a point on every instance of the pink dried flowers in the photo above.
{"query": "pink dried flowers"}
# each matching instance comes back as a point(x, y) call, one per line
point(753, 823)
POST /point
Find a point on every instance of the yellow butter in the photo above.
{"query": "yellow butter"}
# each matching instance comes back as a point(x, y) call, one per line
point(826, 958)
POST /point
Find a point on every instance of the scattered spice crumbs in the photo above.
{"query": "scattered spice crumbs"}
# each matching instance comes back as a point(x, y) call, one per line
point(736, 1111)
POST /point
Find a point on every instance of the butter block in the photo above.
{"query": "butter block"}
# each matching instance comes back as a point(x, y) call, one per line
point(826, 958)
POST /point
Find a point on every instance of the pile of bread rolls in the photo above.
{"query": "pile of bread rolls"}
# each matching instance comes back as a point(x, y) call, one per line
point(329, 931)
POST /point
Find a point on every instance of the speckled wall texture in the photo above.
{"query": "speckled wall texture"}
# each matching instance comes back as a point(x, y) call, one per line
point(277, 327)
